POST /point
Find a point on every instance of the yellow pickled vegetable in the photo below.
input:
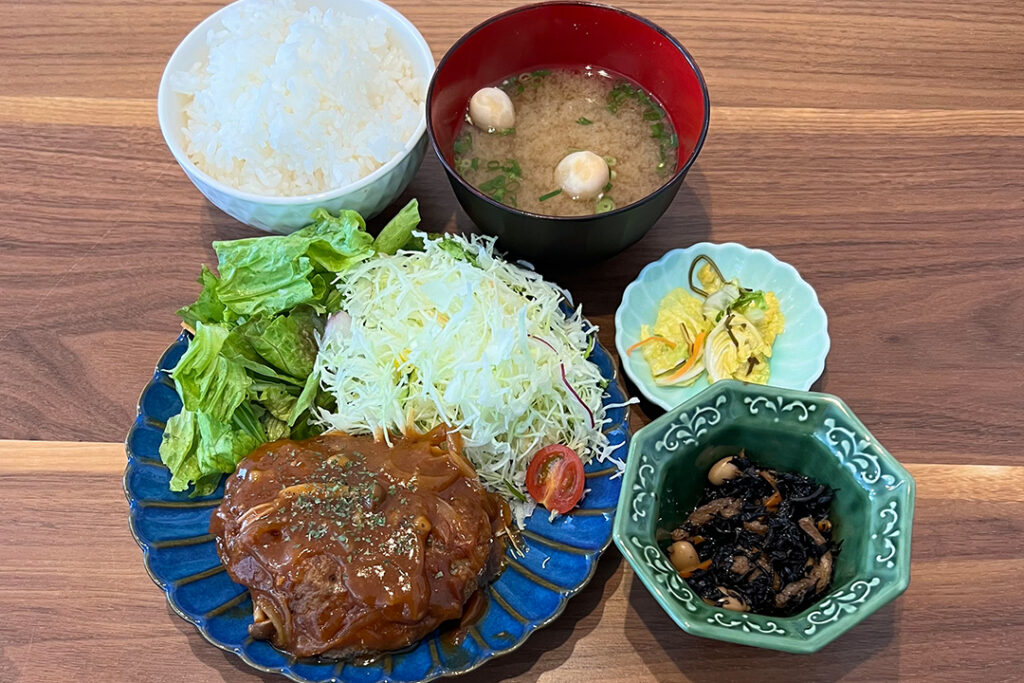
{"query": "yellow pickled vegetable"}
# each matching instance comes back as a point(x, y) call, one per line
point(677, 311)
point(740, 327)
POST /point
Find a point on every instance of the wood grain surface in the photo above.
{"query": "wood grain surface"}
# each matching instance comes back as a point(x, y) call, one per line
point(77, 604)
point(876, 145)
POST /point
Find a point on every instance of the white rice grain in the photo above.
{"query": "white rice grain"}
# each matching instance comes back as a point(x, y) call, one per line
point(293, 102)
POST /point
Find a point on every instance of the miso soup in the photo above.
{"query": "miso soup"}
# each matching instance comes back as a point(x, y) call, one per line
point(580, 141)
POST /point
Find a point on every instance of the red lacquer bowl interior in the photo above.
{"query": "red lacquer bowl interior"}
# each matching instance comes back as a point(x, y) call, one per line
point(570, 34)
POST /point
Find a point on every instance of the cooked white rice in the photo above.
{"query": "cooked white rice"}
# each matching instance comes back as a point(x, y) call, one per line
point(294, 102)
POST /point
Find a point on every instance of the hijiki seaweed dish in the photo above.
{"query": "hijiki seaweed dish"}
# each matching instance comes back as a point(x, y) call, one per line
point(760, 540)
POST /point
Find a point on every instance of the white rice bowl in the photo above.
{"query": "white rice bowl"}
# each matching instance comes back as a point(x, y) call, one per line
point(296, 101)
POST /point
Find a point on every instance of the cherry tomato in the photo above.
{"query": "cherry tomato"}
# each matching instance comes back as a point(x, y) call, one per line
point(555, 478)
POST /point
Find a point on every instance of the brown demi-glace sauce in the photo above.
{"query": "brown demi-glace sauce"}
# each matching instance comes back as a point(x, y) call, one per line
point(349, 546)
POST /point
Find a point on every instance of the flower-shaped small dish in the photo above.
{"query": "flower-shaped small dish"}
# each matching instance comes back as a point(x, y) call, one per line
point(814, 434)
point(798, 355)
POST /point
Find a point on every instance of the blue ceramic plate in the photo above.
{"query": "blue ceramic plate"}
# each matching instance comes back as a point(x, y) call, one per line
point(173, 531)
point(798, 356)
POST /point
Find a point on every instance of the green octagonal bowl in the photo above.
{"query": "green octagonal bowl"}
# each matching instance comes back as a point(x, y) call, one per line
point(797, 431)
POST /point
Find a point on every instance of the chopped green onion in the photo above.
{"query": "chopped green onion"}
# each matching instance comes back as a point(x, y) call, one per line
point(493, 165)
point(512, 168)
point(500, 189)
point(652, 111)
point(549, 195)
point(495, 183)
point(475, 164)
point(505, 132)
point(512, 86)
point(612, 174)
point(604, 205)
point(463, 143)
point(607, 187)
point(611, 161)
point(584, 121)
point(619, 94)
point(747, 298)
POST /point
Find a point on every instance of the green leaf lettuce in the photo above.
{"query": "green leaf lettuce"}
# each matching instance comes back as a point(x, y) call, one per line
point(206, 380)
point(247, 375)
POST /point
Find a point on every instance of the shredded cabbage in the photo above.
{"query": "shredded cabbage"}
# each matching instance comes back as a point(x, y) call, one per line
point(455, 335)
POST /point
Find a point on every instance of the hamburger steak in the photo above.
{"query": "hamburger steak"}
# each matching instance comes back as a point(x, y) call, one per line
point(349, 546)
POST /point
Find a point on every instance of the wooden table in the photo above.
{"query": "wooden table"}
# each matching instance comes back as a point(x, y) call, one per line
point(878, 146)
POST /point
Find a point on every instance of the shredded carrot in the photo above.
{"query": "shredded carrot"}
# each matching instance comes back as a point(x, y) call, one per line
point(703, 565)
point(648, 340)
point(697, 540)
point(698, 344)
point(774, 501)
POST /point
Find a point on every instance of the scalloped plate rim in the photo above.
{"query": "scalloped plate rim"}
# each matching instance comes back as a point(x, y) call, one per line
point(593, 556)
point(642, 383)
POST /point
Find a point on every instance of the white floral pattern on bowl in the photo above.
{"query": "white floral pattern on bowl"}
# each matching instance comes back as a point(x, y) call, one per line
point(816, 434)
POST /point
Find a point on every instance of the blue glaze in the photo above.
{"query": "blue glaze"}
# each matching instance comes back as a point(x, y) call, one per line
point(570, 568)
point(575, 531)
point(185, 561)
point(144, 439)
point(524, 599)
point(233, 630)
point(159, 402)
point(602, 492)
point(558, 558)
